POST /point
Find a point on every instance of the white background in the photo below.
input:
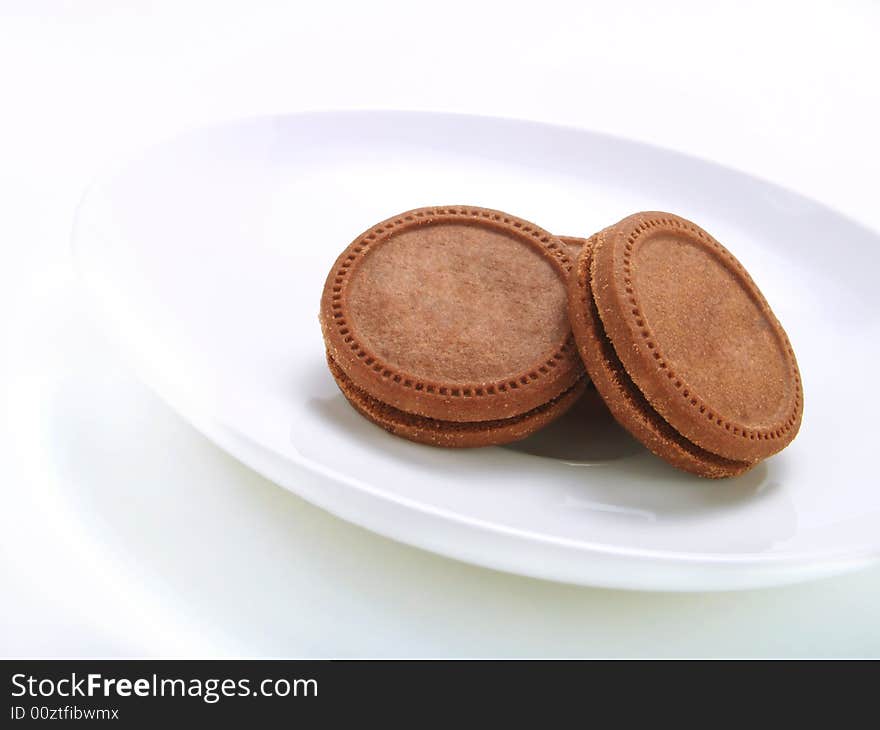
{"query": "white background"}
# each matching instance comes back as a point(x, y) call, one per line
point(124, 532)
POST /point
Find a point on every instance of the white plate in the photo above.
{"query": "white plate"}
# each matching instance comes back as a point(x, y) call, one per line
point(207, 255)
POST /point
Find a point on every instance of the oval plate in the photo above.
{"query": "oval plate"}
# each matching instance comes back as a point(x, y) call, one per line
point(206, 256)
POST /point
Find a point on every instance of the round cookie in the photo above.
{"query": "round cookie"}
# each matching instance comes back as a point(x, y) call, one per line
point(456, 314)
point(455, 434)
point(696, 336)
point(624, 400)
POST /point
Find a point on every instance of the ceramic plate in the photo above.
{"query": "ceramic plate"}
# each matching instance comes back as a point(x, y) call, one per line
point(206, 256)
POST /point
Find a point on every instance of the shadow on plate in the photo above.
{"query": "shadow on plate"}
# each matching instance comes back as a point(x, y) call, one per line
point(586, 434)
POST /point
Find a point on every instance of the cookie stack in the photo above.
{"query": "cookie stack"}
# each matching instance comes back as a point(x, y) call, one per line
point(462, 326)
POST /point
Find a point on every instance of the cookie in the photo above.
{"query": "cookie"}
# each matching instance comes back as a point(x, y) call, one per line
point(454, 434)
point(625, 401)
point(683, 347)
point(455, 314)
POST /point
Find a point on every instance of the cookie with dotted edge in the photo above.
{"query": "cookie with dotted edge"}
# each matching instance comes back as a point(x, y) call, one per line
point(696, 336)
point(625, 401)
point(454, 434)
point(454, 313)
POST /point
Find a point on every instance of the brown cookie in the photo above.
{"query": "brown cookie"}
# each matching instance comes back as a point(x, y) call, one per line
point(683, 346)
point(455, 434)
point(624, 399)
point(455, 314)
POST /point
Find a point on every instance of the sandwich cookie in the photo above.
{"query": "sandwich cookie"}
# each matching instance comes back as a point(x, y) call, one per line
point(453, 433)
point(449, 326)
point(683, 347)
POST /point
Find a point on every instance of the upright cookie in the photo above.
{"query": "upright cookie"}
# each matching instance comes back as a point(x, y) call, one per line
point(682, 345)
point(455, 314)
